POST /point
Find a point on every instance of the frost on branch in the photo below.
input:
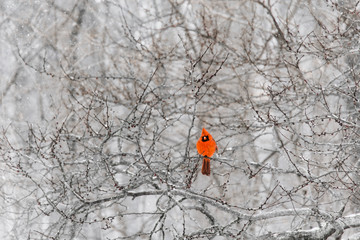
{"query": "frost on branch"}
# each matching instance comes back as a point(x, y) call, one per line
point(103, 101)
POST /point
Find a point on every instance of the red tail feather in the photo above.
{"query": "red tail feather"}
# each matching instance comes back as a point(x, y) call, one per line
point(206, 167)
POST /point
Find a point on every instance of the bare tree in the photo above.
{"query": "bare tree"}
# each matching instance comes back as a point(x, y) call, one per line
point(103, 101)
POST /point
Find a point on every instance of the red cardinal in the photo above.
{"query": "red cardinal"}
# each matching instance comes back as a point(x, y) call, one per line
point(206, 147)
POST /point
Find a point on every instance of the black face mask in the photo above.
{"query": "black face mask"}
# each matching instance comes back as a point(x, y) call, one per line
point(205, 138)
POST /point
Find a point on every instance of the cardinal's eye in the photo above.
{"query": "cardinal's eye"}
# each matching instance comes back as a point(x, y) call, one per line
point(205, 138)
